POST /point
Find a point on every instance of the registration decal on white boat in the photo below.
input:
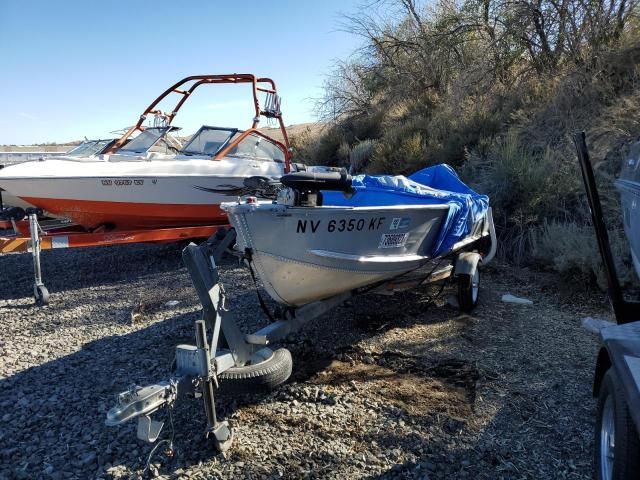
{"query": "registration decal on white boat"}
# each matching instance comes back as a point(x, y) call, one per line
point(122, 182)
point(392, 240)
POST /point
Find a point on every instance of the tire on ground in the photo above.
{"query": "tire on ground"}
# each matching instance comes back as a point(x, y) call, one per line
point(467, 301)
point(41, 295)
point(626, 463)
point(258, 378)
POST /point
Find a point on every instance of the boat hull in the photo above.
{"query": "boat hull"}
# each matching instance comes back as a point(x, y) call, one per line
point(130, 215)
point(330, 250)
point(9, 200)
point(134, 194)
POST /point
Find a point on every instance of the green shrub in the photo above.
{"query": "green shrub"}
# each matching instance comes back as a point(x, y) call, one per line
point(401, 149)
point(360, 155)
point(572, 250)
point(327, 148)
point(518, 180)
point(454, 131)
point(303, 145)
point(343, 154)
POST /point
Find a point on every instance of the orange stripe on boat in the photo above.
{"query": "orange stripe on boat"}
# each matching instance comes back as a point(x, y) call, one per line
point(127, 215)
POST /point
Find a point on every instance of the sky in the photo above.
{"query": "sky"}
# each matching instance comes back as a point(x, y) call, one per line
point(70, 69)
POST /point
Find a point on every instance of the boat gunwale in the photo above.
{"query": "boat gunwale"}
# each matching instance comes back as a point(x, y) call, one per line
point(273, 207)
point(134, 176)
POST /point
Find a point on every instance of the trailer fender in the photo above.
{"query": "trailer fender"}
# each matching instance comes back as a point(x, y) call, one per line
point(602, 365)
point(467, 263)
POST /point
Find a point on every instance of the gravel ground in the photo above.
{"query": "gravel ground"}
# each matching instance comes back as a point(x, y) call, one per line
point(386, 387)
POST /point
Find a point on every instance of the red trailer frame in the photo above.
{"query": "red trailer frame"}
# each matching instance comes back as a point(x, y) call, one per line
point(30, 236)
point(73, 236)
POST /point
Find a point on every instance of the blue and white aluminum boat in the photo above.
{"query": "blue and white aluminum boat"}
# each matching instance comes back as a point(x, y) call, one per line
point(328, 233)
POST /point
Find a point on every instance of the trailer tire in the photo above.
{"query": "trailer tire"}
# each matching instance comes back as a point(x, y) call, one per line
point(468, 290)
point(260, 377)
point(615, 425)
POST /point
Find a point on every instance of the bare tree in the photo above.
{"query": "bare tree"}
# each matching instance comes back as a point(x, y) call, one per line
point(412, 46)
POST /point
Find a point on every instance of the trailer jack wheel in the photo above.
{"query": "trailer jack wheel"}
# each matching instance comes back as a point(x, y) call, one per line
point(41, 295)
point(468, 289)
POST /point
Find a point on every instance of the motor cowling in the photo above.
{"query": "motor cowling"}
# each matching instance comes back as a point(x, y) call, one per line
point(305, 188)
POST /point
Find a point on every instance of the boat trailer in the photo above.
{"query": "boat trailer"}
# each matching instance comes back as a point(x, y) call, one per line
point(32, 235)
point(244, 363)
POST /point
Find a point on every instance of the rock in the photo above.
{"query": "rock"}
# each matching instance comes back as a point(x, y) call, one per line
point(88, 458)
point(508, 298)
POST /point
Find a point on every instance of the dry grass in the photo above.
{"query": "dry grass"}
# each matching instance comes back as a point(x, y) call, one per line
point(312, 130)
point(504, 393)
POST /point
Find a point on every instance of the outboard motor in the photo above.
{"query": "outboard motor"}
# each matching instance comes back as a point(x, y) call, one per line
point(262, 187)
point(304, 188)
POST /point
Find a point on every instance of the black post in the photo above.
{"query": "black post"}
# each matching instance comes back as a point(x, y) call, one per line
point(625, 311)
point(206, 378)
point(1, 202)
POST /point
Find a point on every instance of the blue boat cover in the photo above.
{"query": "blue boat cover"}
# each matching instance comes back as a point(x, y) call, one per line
point(433, 185)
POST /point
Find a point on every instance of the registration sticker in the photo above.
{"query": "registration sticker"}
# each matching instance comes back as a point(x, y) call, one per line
point(392, 240)
point(398, 223)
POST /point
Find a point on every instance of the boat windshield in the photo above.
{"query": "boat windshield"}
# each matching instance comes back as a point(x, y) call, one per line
point(257, 148)
point(208, 141)
point(89, 148)
point(147, 139)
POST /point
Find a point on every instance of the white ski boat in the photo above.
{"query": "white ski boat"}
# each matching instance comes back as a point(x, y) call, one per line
point(149, 180)
point(86, 149)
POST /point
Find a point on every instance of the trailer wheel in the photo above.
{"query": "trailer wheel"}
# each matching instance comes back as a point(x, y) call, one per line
point(468, 289)
point(617, 447)
point(273, 369)
point(41, 295)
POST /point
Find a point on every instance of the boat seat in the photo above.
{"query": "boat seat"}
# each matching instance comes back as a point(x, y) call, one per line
point(314, 182)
